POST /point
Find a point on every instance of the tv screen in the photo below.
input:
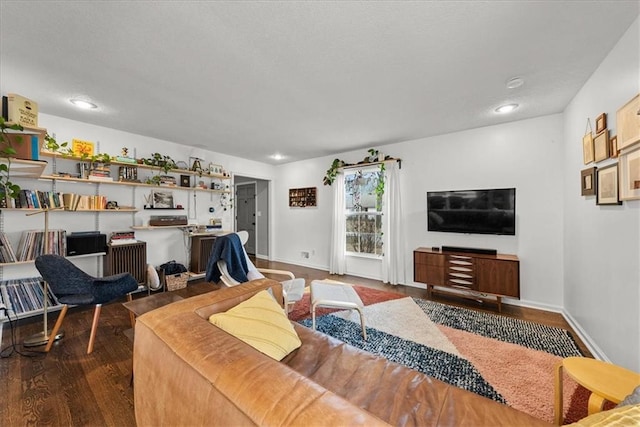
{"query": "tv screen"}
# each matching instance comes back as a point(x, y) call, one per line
point(472, 211)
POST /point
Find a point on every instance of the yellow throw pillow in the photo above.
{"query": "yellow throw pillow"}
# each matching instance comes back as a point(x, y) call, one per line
point(261, 323)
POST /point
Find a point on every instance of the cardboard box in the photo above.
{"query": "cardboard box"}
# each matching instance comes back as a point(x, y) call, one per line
point(20, 110)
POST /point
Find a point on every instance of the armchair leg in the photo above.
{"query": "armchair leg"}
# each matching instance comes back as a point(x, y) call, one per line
point(56, 328)
point(94, 327)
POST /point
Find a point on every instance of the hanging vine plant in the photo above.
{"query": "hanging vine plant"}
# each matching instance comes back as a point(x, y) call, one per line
point(374, 157)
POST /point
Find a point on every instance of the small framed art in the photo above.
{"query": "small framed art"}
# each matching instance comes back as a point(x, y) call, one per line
point(162, 200)
point(607, 188)
point(613, 146)
point(587, 148)
point(601, 122)
point(630, 174)
point(588, 182)
point(601, 146)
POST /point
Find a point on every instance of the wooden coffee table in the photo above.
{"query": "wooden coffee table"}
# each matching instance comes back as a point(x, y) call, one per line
point(604, 380)
point(140, 306)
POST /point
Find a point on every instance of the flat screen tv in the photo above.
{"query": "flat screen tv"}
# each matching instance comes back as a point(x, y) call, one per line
point(472, 211)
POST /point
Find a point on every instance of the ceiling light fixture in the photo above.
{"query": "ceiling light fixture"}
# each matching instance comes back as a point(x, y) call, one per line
point(503, 109)
point(81, 103)
point(515, 82)
point(277, 157)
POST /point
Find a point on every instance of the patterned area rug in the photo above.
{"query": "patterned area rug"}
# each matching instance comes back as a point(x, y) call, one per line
point(504, 359)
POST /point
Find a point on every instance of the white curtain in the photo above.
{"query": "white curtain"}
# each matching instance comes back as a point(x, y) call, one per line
point(338, 261)
point(392, 237)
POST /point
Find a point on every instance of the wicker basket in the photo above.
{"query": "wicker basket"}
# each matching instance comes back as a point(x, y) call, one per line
point(176, 281)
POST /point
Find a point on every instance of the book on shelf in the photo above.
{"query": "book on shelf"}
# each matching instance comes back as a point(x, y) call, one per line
point(94, 177)
point(32, 244)
point(7, 253)
point(25, 295)
point(122, 237)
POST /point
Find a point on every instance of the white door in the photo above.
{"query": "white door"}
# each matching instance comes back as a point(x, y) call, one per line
point(246, 213)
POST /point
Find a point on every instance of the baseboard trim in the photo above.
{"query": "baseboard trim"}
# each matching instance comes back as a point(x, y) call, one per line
point(586, 339)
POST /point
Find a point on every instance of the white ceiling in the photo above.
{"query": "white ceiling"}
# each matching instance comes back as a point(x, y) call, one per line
point(304, 79)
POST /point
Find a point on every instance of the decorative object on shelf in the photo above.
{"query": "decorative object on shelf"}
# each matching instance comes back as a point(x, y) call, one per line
point(215, 169)
point(162, 200)
point(607, 179)
point(601, 146)
point(601, 123)
point(628, 123)
point(587, 144)
point(630, 173)
point(82, 149)
point(182, 165)
point(20, 110)
point(196, 165)
point(588, 182)
point(302, 197)
point(185, 181)
point(124, 157)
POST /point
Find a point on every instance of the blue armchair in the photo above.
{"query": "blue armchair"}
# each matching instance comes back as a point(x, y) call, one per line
point(73, 286)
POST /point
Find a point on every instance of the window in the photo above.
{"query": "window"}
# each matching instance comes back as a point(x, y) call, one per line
point(363, 212)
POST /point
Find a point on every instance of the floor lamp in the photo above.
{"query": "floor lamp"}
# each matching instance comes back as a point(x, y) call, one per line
point(42, 338)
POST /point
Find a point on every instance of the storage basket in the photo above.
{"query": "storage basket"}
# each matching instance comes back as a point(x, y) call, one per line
point(176, 281)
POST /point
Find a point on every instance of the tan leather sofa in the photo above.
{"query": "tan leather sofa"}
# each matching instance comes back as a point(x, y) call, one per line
point(189, 372)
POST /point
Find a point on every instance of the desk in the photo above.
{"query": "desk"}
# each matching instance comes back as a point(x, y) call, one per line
point(604, 380)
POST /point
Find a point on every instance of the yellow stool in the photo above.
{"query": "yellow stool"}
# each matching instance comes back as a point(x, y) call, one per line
point(604, 380)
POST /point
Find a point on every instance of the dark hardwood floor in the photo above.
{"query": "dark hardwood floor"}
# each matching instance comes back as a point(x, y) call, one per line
point(68, 387)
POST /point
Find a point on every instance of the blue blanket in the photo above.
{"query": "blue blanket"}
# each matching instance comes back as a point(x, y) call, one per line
point(227, 248)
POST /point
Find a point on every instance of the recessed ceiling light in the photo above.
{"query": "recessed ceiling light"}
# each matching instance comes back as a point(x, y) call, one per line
point(277, 157)
point(81, 103)
point(503, 109)
point(515, 82)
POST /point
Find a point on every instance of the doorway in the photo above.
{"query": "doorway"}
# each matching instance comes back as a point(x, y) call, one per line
point(246, 213)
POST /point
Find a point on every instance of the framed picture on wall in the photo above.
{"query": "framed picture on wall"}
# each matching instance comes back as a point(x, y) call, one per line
point(613, 144)
point(162, 200)
point(587, 148)
point(630, 174)
point(601, 146)
point(628, 123)
point(607, 188)
point(588, 182)
point(601, 122)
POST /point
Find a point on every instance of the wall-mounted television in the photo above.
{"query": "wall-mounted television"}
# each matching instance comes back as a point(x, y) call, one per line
point(490, 211)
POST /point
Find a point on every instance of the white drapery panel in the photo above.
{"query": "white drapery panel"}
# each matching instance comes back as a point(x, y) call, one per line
point(338, 261)
point(392, 237)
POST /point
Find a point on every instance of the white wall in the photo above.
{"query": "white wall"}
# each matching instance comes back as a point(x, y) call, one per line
point(602, 243)
point(526, 155)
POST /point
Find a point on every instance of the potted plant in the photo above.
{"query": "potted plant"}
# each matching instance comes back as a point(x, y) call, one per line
point(166, 163)
point(7, 188)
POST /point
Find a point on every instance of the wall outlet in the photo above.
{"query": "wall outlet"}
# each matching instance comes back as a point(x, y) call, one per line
point(304, 254)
